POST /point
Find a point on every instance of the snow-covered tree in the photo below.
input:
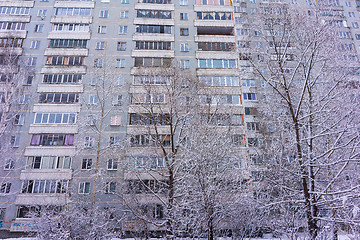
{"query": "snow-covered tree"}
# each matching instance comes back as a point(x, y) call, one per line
point(310, 137)
point(74, 221)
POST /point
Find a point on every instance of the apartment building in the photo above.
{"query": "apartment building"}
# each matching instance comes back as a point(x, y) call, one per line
point(87, 61)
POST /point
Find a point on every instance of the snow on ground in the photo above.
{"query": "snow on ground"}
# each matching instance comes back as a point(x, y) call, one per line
point(341, 237)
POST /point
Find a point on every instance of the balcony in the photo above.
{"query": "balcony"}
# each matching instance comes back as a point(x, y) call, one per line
point(78, 4)
point(71, 19)
point(212, 30)
point(41, 199)
point(50, 151)
point(60, 88)
point(44, 174)
point(43, 107)
point(66, 52)
point(69, 35)
point(54, 128)
point(64, 69)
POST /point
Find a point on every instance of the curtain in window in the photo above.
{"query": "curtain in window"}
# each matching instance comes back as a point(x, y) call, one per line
point(35, 140)
point(69, 140)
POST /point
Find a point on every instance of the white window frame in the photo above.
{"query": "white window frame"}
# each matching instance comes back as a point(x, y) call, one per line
point(184, 47)
point(123, 29)
point(112, 164)
point(82, 187)
point(124, 14)
point(120, 63)
point(89, 141)
point(35, 44)
point(100, 45)
point(104, 13)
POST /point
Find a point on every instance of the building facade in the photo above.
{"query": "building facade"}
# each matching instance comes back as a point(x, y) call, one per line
point(85, 63)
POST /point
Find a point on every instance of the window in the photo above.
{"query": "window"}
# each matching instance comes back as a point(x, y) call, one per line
point(52, 140)
point(65, 60)
point(184, 16)
point(157, 211)
point(249, 96)
point(351, 14)
point(124, 1)
point(253, 142)
point(91, 120)
point(214, 16)
point(223, 81)
point(59, 98)
point(123, 30)
point(119, 81)
point(252, 126)
point(14, 11)
point(250, 111)
point(49, 162)
point(2, 213)
point(35, 44)
point(149, 140)
point(149, 119)
point(11, 42)
point(103, 13)
point(70, 27)
point(55, 118)
point(148, 98)
point(89, 142)
point(100, 45)
point(42, 13)
point(110, 187)
point(63, 11)
point(184, 2)
point(124, 14)
point(152, 45)
point(215, 46)
point(67, 43)
point(61, 78)
point(98, 62)
point(163, 29)
point(29, 80)
point(121, 46)
point(86, 164)
point(216, 63)
point(112, 164)
point(84, 188)
point(115, 120)
point(248, 83)
point(117, 100)
point(238, 140)
point(93, 99)
point(184, 47)
point(220, 99)
point(120, 63)
point(24, 99)
point(44, 186)
point(115, 140)
point(12, 26)
point(5, 187)
point(102, 29)
point(152, 62)
point(184, 32)
point(154, 14)
point(185, 64)
point(355, 25)
point(15, 141)
point(150, 80)
point(31, 61)
point(19, 119)
point(39, 28)
point(348, 4)
point(9, 164)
